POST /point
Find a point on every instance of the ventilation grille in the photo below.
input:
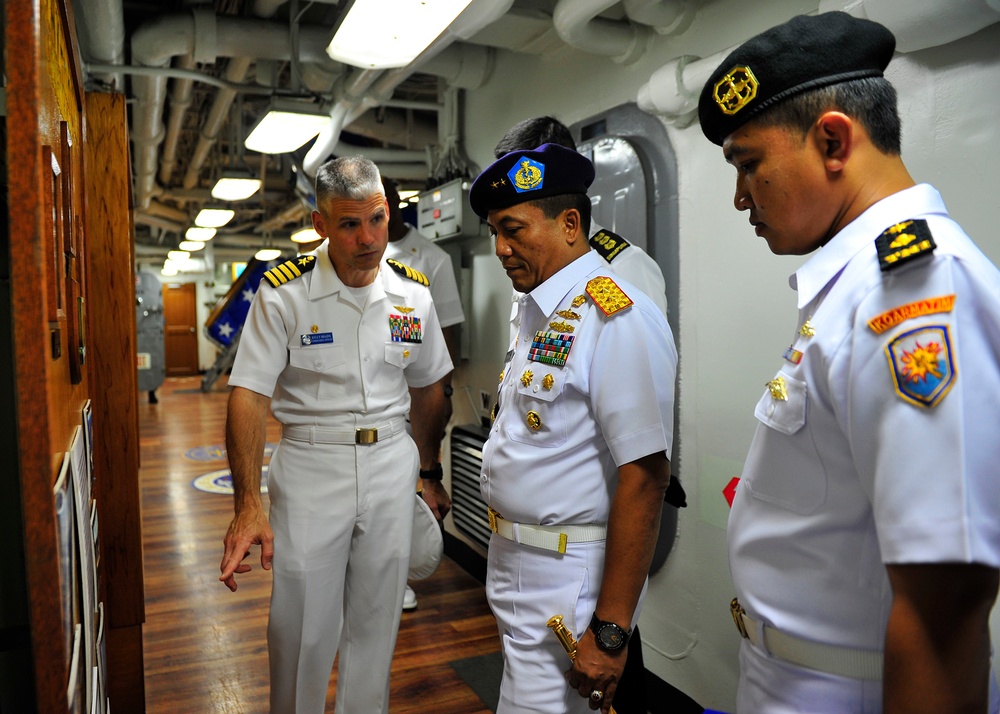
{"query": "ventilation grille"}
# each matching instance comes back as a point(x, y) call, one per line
point(467, 507)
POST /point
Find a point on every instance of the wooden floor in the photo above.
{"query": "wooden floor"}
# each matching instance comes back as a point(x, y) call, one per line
point(204, 647)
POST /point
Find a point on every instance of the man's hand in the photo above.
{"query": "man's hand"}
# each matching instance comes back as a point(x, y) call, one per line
point(247, 528)
point(436, 496)
point(594, 669)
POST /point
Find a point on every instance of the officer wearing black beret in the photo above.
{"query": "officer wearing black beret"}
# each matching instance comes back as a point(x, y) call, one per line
point(865, 567)
point(576, 464)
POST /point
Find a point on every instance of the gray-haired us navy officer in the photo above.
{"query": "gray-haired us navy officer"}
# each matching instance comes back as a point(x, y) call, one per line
point(864, 539)
point(339, 346)
point(576, 464)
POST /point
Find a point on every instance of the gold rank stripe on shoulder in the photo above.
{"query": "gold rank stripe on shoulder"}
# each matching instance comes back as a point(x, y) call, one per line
point(290, 269)
point(608, 245)
point(607, 295)
point(407, 272)
point(896, 315)
point(902, 242)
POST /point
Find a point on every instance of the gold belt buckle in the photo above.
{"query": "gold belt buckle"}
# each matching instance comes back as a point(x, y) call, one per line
point(493, 519)
point(738, 612)
point(366, 436)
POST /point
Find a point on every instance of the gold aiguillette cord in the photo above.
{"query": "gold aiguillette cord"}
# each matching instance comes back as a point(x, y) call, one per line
point(565, 638)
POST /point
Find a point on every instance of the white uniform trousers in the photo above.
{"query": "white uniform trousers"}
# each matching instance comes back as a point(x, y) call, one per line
point(771, 686)
point(526, 586)
point(342, 519)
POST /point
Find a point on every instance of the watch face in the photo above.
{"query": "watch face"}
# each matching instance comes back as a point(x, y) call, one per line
point(611, 637)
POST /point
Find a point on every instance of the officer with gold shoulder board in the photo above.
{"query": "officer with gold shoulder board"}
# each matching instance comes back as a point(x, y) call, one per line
point(338, 344)
point(864, 538)
point(576, 464)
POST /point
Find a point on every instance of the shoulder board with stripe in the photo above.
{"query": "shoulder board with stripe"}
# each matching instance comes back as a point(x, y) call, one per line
point(407, 272)
point(290, 269)
point(902, 242)
point(608, 245)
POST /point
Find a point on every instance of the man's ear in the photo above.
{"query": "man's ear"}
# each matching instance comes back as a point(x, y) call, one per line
point(319, 225)
point(834, 133)
point(570, 222)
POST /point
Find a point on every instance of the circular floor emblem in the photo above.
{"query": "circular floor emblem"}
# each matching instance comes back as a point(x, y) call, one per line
point(222, 482)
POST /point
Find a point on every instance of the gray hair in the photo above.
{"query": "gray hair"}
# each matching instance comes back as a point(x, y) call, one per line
point(351, 177)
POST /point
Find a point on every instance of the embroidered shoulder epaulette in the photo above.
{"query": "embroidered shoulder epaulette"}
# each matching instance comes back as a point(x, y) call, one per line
point(607, 244)
point(901, 243)
point(290, 269)
point(607, 295)
point(407, 272)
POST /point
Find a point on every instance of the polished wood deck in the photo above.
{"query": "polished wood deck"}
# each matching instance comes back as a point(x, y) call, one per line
point(203, 646)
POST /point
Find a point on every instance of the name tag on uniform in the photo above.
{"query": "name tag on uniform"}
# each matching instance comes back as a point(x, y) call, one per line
point(317, 338)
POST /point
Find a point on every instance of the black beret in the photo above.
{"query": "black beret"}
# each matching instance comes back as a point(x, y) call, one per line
point(549, 170)
point(805, 53)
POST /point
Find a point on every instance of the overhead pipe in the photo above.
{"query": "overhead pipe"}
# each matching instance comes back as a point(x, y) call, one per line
point(666, 17)
point(578, 24)
point(100, 27)
point(180, 100)
point(920, 24)
point(205, 37)
point(673, 90)
point(236, 70)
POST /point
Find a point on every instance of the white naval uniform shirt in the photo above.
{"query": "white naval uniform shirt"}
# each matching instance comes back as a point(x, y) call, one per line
point(633, 264)
point(848, 473)
point(326, 361)
point(420, 253)
point(610, 404)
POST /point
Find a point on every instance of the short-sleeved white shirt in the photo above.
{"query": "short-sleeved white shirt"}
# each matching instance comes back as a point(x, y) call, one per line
point(609, 404)
point(879, 444)
point(326, 361)
point(416, 251)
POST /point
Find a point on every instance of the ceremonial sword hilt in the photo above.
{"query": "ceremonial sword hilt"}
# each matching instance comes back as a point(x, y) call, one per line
point(565, 638)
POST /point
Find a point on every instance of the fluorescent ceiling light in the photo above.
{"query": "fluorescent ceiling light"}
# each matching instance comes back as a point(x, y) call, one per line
point(191, 245)
point(409, 196)
point(379, 34)
point(199, 234)
point(169, 269)
point(235, 188)
point(178, 255)
point(306, 235)
point(266, 254)
point(286, 126)
point(213, 217)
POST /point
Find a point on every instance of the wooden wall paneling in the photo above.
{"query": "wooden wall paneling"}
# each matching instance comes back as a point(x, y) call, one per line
point(29, 273)
point(114, 397)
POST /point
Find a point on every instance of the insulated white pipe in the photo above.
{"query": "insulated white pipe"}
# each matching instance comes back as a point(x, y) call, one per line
point(577, 24)
point(919, 24)
point(672, 91)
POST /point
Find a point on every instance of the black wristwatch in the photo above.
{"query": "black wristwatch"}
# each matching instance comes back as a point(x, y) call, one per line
point(610, 637)
point(433, 474)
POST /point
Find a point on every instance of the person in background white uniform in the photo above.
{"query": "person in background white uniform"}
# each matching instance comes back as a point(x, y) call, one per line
point(339, 344)
point(864, 538)
point(577, 460)
point(637, 267)
point(408, 246)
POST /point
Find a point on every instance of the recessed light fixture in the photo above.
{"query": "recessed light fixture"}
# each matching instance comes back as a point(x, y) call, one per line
point(306, 235)
point(266, 254)
point(199, 234)
point(379, 34)
point(213, 217)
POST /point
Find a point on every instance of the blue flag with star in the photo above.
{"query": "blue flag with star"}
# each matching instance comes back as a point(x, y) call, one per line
point(227, 319)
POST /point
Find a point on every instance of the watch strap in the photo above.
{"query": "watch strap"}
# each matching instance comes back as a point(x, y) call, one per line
point(435, 473)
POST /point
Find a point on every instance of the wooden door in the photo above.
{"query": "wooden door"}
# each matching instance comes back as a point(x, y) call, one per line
point(180, 334)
